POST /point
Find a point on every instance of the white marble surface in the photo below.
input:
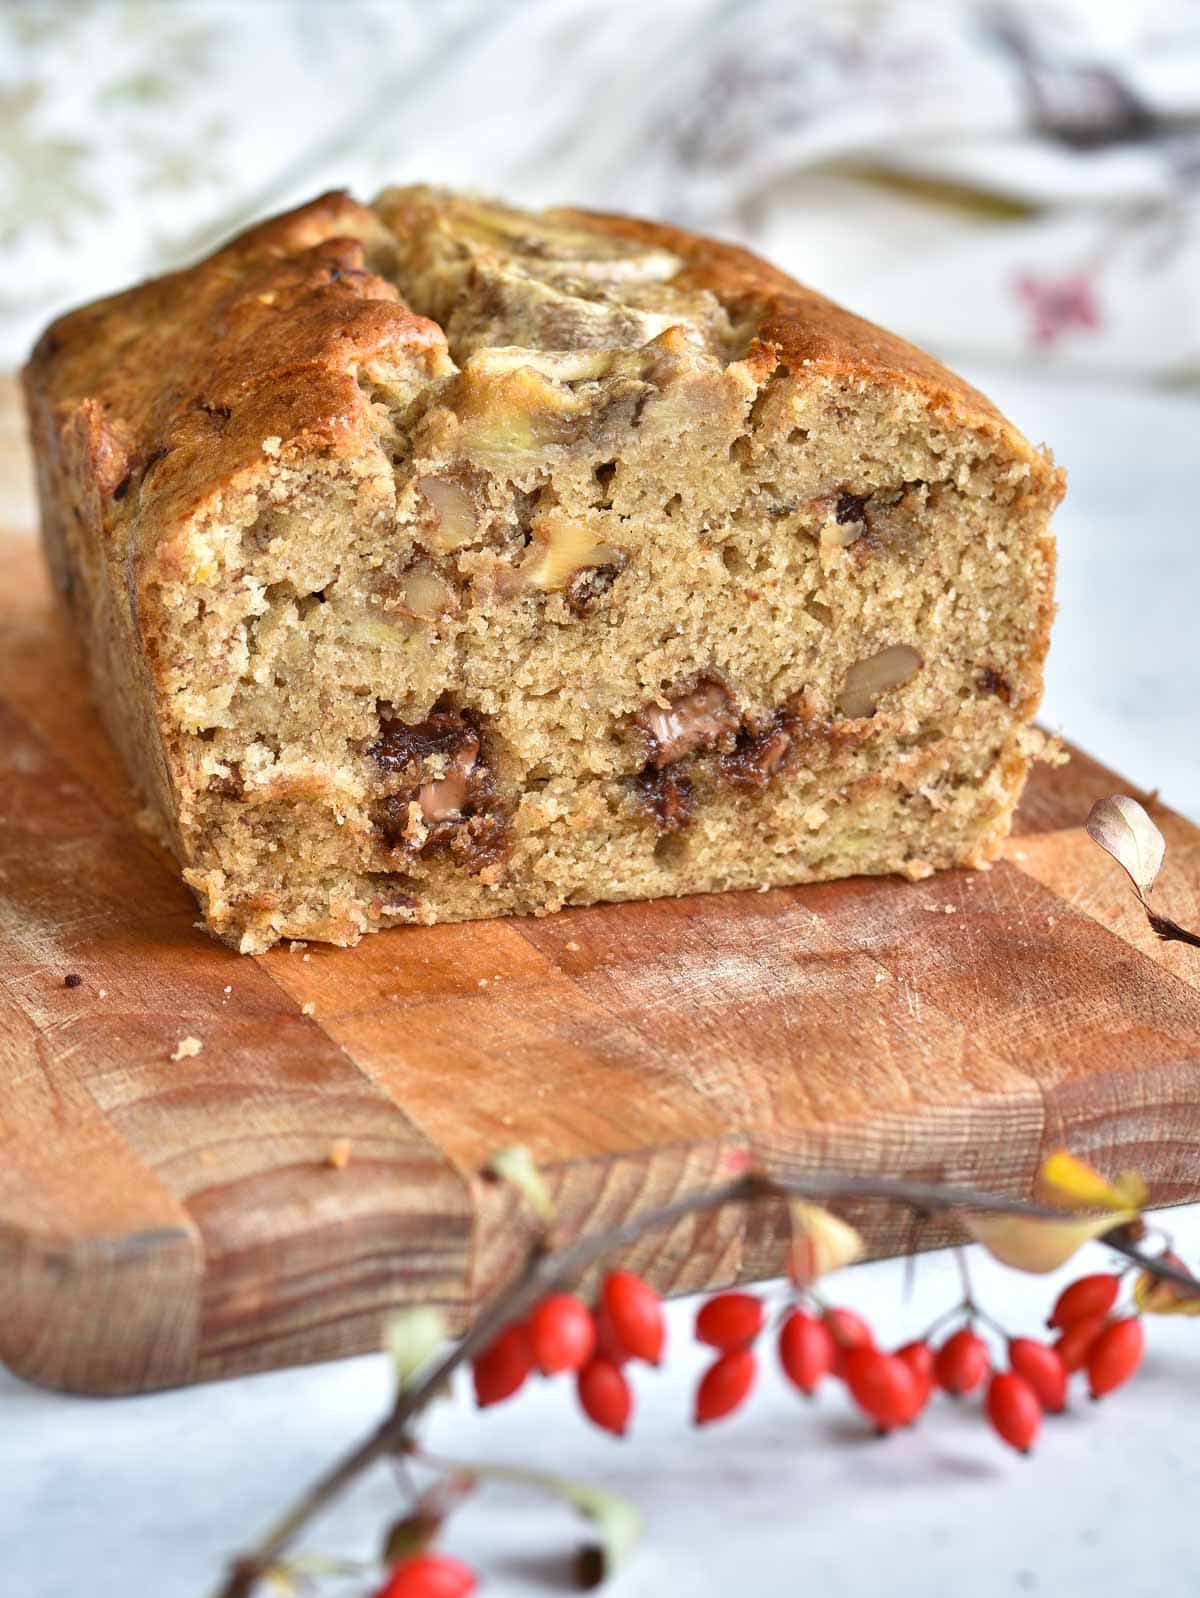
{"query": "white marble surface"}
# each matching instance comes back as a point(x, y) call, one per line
point(142, 1497)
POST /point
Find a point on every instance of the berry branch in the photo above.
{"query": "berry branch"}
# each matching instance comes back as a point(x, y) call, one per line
point(538, 1323)
point(546, 1272)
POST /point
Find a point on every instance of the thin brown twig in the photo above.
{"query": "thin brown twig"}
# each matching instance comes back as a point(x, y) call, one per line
point(544, 1270)
point(1170, 931)
point(964, 1277)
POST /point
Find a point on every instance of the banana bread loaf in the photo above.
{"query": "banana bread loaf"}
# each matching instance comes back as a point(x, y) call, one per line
point(436, 560)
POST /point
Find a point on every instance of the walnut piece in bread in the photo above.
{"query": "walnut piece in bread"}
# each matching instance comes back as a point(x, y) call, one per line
point(436, 560)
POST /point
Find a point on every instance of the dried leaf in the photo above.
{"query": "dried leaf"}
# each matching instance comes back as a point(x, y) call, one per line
point(1029, 1244)
point(1065, 1179)
point(411, 1534)
point(287, 1578)
point(1158, 1296)
point(821, 1242)
point(1131, 1190)
point(419, 1527)
point(1123, 830)
point(516, 1166)
point(411, 1338)
point(617, 1522)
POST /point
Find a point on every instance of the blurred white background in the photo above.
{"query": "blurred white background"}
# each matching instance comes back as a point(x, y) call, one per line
point(994, 178)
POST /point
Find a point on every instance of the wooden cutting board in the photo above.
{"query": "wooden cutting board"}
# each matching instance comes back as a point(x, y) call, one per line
point(170, 1220)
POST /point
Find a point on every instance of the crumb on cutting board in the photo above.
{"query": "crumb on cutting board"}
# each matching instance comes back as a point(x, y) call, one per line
point(186, 1048)
point(338, 1157)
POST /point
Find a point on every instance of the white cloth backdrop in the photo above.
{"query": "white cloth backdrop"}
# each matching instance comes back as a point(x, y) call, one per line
point(1014, 180)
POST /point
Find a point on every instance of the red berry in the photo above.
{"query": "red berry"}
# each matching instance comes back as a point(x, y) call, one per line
point(848, 1330)
point(500, 1371)
point(1043, 1369)
point(918, 1357)
point(607, 1342)
point(806, 1350)
point(1014, 1410)
point(1090, 1295)
point(725, 1385)
point(604, 1395)
point(729, 1321)
point(562, 1334)
point(634, 1315)
point(429, 1576)
point(882, 1385)
point(1075, 1344)
point(962, 1362)
point(1115, 1355)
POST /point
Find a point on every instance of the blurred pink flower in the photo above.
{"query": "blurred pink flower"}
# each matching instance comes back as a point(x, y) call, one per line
point(1058, 305)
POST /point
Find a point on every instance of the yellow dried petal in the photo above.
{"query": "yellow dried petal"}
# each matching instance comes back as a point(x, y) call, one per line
point(1157, 1296)
point(1065, 1179)
point(1028, 1244)
point(517, 1167)
point(411, 1338)
point(821, 1242)
point(1130, 1187)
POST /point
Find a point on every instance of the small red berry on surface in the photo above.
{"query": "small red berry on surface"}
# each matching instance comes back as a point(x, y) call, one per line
point(962, 1363)
point(806, 1350)
point(725, 1385)
point(883, 1386)
point(429, 1576)
point(1115, 1355)
point(848, 1330)
point(1043, 1369)
point(729, 1321)
point(500, 1371)
point(1090, 1295)
point(1075, 1344)
point(562, 1334)
point(633, 1313)
point(604, 1395)
point(1014, 1410)
point(918, 1356)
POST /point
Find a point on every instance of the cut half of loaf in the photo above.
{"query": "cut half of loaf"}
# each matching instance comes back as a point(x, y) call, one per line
point(437, 560)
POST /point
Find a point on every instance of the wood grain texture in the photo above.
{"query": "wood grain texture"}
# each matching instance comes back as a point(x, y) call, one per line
point(169, 1220)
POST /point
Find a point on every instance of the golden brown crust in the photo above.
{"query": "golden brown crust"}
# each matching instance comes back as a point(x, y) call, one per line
point(262, 338)
point(169, 389)
point(149, 405)
point(808, 330)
